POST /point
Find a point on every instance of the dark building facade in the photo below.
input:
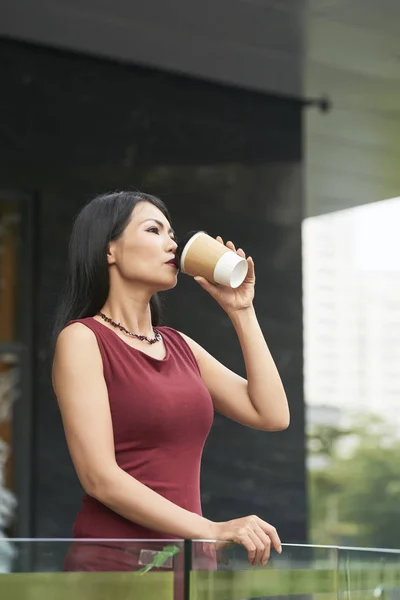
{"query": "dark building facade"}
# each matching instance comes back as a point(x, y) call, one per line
point(223, 159)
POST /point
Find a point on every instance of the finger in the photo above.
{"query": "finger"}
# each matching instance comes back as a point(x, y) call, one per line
point(250, 547)
point(243, 538)
point(272, 534)
point(210, 550)
point(231, 246)
point(219, 239)
point(202, 281)
point(251, 270)
point(211, 288)
point(241, 253)
point(222, 557)
point(259, 547)
point(266, 541)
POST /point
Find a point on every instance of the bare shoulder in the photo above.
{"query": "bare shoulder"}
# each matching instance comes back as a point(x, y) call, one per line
point(78, 339)
point(76, 333)
point(76, 351)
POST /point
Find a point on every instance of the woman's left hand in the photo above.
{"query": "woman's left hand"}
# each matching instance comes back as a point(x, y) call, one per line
point(232, 300)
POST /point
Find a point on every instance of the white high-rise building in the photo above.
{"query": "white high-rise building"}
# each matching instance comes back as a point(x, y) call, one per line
point(351, 293)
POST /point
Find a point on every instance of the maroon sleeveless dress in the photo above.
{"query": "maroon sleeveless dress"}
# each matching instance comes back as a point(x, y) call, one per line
point(161, 415)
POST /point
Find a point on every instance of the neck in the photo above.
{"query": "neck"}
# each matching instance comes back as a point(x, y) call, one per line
point(132, 311)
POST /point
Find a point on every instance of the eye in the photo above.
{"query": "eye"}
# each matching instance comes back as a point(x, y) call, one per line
point(154, 229)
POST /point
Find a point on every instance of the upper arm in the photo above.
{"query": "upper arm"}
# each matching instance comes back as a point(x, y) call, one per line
point(81, 392)
point(228, 390)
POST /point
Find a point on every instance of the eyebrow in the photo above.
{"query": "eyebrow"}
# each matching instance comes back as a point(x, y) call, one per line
point(161, 224)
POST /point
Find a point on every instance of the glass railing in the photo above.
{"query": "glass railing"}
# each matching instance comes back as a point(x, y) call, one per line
point(191, 570)
point(298, 570)
point(91, 569)
point(318, 572)
point(368, 573)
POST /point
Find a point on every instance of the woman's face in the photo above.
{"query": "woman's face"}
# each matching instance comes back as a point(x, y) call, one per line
point(144, 252)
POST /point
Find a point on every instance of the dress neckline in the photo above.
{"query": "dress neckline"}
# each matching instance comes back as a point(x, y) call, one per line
point(115, 334)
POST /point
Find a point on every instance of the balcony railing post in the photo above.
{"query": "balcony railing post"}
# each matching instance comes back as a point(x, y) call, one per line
point(187, 569)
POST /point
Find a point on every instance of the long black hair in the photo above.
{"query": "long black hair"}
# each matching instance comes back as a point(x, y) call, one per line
point(87, 285)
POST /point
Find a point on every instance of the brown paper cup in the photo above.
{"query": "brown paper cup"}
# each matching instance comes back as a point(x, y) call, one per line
point(201, 255)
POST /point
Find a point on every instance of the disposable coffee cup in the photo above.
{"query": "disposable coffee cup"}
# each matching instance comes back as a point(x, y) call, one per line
point(199, 254)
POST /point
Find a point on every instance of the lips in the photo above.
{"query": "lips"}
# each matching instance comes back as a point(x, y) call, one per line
point(172, 262)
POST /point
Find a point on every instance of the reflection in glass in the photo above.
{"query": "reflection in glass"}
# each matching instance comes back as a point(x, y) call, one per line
point(9, 378)
point(9, 261)
point(351, 282)
point(139, 569)
point(9, 367)
point(298, 570)
point(368, 573)
point(145, 569)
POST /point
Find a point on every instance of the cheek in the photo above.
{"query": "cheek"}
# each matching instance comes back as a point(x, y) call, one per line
point(138, 259)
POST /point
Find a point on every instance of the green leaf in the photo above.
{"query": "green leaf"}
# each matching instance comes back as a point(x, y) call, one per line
point(160, 558)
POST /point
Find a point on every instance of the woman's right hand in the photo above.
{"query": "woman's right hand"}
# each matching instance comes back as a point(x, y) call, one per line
point(256, 535)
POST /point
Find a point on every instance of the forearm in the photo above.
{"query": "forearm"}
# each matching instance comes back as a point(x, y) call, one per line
point(264, 385)
point(138, 503)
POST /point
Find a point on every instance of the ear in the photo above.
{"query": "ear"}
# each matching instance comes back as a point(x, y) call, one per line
point(110, 254)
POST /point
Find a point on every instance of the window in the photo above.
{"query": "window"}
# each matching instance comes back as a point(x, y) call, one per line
point(16, 350)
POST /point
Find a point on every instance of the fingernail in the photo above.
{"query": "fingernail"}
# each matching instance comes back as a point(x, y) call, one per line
point(280, 550)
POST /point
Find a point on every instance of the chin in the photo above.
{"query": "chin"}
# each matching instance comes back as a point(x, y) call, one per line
point(167, 285)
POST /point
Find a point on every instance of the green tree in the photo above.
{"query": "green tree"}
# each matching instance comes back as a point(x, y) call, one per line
point(355, 495)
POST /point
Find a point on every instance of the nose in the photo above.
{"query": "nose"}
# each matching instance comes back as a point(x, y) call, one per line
point(172, 245)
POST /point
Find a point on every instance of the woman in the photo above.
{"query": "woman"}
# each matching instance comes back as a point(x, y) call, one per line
point(137, 399)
